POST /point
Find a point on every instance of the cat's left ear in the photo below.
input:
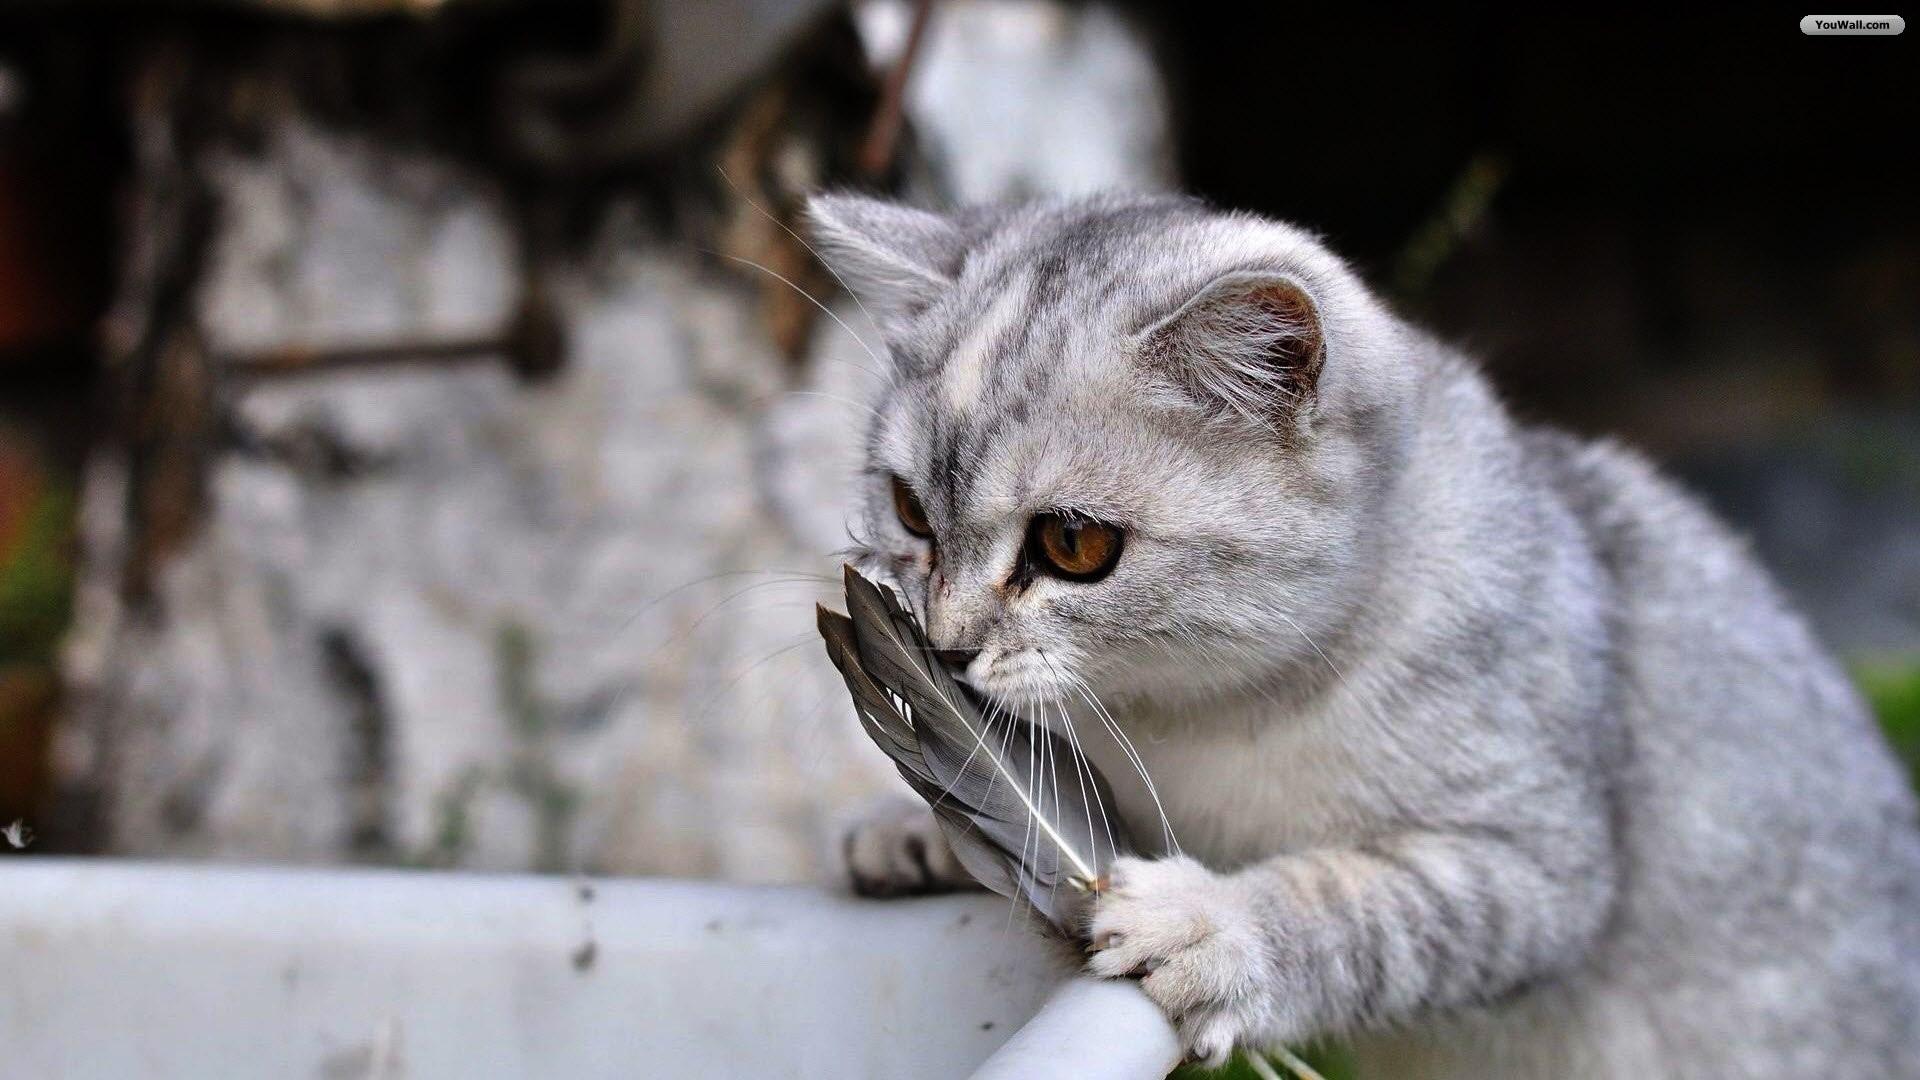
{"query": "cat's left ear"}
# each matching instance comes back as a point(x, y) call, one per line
point(895, 258)
point(1248, 344)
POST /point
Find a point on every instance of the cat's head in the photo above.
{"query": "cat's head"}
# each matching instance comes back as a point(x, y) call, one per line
point(1127, 444)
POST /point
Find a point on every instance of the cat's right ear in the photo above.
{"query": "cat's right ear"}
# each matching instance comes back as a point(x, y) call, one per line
point(895, 258)
point(1249, 345)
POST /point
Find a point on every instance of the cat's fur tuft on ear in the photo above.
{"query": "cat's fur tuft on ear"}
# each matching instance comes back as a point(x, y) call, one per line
point(897, 259)
point(1248, 344)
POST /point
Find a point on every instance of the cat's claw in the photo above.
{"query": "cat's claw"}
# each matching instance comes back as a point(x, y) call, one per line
point(1190, 938)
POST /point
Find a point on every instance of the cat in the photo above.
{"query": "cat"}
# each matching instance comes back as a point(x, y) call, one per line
point(1477, 744)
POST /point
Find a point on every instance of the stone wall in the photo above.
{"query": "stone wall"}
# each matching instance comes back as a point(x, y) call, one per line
point(438, 614)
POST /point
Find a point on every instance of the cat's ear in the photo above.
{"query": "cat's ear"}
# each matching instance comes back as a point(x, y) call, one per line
point(895, 258)
point(1248, 344)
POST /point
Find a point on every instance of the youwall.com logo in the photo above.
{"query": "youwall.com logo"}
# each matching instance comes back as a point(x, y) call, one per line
point(1858, 25)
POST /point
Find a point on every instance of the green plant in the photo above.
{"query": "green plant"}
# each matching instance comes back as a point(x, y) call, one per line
point(1892, 687)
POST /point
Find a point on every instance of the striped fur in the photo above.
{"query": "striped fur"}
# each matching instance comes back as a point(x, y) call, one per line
point(1480, 744)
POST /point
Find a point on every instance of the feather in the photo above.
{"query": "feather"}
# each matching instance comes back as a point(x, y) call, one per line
point(1024, 811)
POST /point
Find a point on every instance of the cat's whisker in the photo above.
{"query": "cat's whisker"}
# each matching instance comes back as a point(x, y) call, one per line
point(1137, 761)
point(1316, 645)
point(1029, 833)
point(713, 701)
point(1210, 649)
point(1300, 1069)
point(1034, 751)
point(860, 549)
point(829, 312)
point(992, 713)
point(1081, 769)
point(1081, 687)
point(1050, 778)
point(811, 250)
point(838, 399)
point(787, 577)
point(738, 594)
point(996, 712)
point(823, 579)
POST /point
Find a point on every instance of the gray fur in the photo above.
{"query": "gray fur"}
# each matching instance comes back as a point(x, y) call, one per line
point(1480, 744)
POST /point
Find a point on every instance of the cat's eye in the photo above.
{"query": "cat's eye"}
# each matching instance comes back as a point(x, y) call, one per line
point(913, 516)
point(1073, 547)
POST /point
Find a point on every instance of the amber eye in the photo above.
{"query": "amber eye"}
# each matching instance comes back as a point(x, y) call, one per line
point(912, 515)
point(1073, 547)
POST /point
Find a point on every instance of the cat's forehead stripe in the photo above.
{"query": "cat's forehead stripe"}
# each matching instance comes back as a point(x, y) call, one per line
point(964, 374)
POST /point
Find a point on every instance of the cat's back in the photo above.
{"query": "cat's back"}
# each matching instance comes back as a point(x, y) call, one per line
point(1713, 656)
point(1770, 840)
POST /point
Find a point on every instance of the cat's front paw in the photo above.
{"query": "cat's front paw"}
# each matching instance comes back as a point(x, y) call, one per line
point(895, 848)
point(1192, 940)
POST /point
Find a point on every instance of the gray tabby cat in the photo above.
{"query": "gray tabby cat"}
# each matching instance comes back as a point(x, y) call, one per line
point(1477, 743)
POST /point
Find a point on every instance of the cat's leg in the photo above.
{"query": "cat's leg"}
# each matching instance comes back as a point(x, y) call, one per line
point(1336, 940)
point(893, 847)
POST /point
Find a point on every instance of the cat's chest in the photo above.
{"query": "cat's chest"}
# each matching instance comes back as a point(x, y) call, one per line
point(1238, 790)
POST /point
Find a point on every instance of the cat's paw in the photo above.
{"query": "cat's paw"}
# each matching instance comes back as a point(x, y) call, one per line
point(1194, 943)
point(894, 848)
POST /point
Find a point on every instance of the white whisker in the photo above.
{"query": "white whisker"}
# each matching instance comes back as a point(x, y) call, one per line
point(811, 250)
point(1315, 645)
point(829, 312)
point(1133, 756)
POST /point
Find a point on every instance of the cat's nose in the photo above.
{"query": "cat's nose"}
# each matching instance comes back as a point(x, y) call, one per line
point(956, 658)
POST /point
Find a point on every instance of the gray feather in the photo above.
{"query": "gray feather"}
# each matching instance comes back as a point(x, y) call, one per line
point(1023, 810)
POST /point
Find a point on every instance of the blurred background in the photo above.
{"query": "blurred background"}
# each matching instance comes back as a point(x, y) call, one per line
point(418, 447)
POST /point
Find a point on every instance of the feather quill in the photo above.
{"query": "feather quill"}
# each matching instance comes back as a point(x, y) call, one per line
point(1024, 810)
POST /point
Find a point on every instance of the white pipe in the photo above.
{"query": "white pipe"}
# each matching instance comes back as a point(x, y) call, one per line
point(1090, 1027)
point(113, 969)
